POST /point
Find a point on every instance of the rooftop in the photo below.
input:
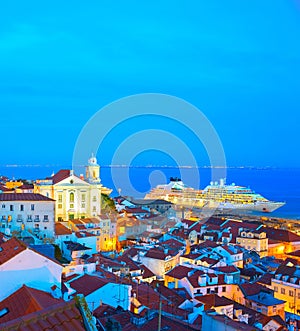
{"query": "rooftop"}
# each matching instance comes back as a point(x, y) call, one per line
point(10, 248)
point(62, 316)
point(32, 300)
point(23, 197)
point(61, 230)
point(72, 246)
point(213, 300)
point(265, 299)
point(87, 284)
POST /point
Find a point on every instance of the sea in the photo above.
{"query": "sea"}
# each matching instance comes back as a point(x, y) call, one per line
point(276, 184)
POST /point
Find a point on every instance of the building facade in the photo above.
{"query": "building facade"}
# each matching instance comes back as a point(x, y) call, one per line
point(76, 197)
point(32, 212)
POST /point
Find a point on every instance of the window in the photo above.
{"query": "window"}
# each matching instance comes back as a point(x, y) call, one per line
point(3, 206)
point(83, 197)
point(32, 207)
point(29, 218)
point(11, 207)
point(37, 218)
point(3, 217)
point(291, 293)
point(21, 207)
point(282, 291)
point(71, 197)
point(94, 208)
point(46, 218)
point(45, 228)
point(19, 218)
point(94, 198)
point(224, 289)
point(275, 289)
point(60, 198)
point(83, 205)
point(298, 295)
point(59, 206)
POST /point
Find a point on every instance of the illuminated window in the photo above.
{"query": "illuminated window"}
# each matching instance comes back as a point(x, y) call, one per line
point(71, 197)
point(282, 291)
point(60, 198)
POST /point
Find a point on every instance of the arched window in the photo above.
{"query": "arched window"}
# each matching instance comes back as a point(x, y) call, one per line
point(71, 197)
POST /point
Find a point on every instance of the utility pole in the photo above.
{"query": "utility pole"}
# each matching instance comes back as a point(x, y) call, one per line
point(159, 315)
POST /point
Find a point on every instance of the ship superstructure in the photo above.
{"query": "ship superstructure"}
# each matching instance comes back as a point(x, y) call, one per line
point(217, 195)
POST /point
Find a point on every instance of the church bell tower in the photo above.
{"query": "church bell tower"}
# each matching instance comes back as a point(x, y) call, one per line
point(92, 172)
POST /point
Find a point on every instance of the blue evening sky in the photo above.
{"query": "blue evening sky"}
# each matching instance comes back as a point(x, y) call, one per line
point(237, 61)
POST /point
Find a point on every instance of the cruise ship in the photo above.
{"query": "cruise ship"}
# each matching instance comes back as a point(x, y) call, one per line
point(217, 195)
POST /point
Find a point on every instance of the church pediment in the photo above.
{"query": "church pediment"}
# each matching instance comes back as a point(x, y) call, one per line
point(72, 180)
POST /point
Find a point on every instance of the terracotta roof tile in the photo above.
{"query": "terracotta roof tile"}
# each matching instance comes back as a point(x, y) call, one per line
point(147, 273)
point(60, 175)
point(23, 197)
point(251, 289)
point(32, 300)
point(11, 248)
point(227, 269)
point(61, 316)
point(61, 230)
point(72, 246)
point(281, 235)
point(87, 284)
point(157, 254)
point(179, 272)
point(26, 187)
point(213, 300)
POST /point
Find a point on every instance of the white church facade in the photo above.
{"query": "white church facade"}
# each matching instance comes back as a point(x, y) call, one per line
point(76, 197)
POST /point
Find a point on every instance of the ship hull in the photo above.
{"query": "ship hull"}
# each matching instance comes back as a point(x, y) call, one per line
point(265, 207)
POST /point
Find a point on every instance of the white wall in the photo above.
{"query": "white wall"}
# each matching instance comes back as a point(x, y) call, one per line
point(19, 217)
point(31, 269)
point(111, 294)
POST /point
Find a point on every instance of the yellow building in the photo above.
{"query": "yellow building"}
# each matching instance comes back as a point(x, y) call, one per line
point(76, 197)
point(13, 184)
point(286, 285)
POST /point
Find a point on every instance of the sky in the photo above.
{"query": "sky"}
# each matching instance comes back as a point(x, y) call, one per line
point(238, 62)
